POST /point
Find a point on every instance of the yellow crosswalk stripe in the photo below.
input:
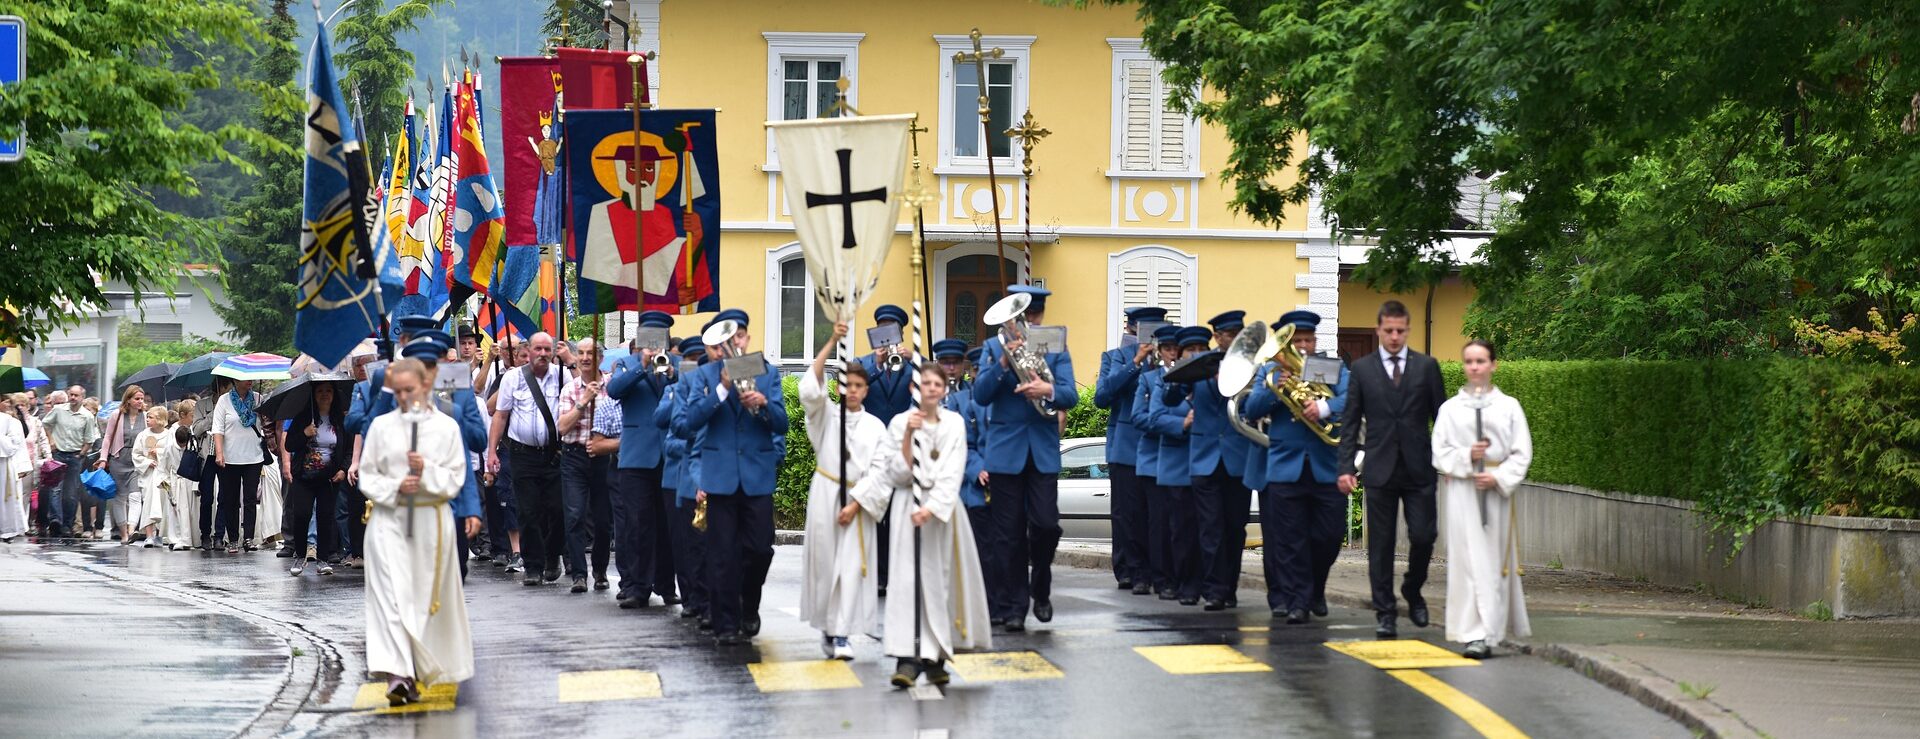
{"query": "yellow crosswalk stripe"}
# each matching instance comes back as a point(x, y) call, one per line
point(373, 696)
point(608, 685)
point(1201, 659)
point(996, 667)
point(1400, 655)
point(1475, 713)
point(819, 674)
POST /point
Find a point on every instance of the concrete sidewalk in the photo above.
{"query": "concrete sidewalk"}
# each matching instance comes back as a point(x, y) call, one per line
point(1721, 668)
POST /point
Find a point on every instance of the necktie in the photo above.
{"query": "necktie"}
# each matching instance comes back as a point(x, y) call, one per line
point(1394, 373)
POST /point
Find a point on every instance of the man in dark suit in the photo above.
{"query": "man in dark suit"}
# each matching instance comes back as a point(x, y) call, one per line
point(1392, 397)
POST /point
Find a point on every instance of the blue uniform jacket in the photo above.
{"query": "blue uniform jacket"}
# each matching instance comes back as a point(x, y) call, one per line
point(737, 446)
point(1175, 467)
point(638, 389)
point(1016, 432)
point(473, 433)
point(1147, 458)
point(889, 393)
point(960, 401)
point(675, 460)
point(1293, 445)
point(1117, 386)
point(365, 393)
point(1214, 443)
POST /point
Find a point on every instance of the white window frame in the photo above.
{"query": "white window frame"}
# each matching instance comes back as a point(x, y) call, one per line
point(1132, 49)
point(1189, 299)
point(1019, 51)
point(784, 45)
point(770, 336)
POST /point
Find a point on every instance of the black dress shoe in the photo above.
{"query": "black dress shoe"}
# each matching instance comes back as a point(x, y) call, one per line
point(1141, 588)
point(551, 575)
point(1296, 616)
point(730, 639)
point(1277, 613)
point(706, 624)
point(623, 596)
point(689, 613)
point(1043, 610)
point(579, 583)
point(1016, 626)
point(997, 621)
point(1416, 607)
point(1387, 629)
point(1169, 595)
point(1232, 604)
point(600, 583)
point(672, 600)
point(530, 581)
point(1216, 605)
point(284, 552)
point(1126, 585)
point(750, 625)
point(1189, 601)
point(1319, 607)
point(632, 603)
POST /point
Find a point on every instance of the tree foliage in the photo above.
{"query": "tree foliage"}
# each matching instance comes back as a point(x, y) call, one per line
point(375, 69)
point(98, 110)
point(263, 245)
point(1688, 176)
point(585, 25)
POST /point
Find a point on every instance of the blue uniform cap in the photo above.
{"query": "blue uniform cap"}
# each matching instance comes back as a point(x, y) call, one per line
point(1302, 320)
point(656, 319)
point(1039, 295)
point(415, 323)
point(973, 355)
point(692, 346)
point(1146, 313)
point(1167, 334)
point(890, 312)
point(1191, 335)
point(731, 314)
point(1229, 321)
point(945, 348)
point(429, 344)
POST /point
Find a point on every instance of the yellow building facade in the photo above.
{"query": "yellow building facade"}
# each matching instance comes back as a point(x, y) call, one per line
point(1126, 200)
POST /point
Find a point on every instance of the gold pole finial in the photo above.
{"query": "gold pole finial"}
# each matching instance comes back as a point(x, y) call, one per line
point(1028, 133)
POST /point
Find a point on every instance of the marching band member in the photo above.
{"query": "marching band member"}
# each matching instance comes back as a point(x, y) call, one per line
point(416, 613)
point(1119, 382)
point(954, 358)
point(1160, 515)
point(677, 476)
point(1218, 457)
point(1482, 449)
point(1023, 467)
point(836, 595)
point(641, 533)
point(1170, 413)
point(1302, 513)
point(945, 569)
point(738, 428)
point(890, 393)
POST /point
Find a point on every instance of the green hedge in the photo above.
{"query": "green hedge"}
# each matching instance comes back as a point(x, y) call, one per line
point(796, 469)
point(1746, 440)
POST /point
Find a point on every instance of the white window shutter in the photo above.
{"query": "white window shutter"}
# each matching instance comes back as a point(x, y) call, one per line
point(1142, 103)
point(1170, 288)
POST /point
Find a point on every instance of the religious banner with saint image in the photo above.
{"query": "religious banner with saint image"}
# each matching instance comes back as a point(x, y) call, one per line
point(529, 137)
point(670, 184)
point(842, 178)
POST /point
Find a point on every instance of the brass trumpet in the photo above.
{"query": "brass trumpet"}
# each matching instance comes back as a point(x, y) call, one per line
point(1296, 393)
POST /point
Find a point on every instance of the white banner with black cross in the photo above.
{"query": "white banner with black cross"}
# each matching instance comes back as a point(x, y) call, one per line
point(843, 179)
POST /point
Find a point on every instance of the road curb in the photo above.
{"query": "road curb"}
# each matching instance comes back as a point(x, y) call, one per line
point(1628, 678)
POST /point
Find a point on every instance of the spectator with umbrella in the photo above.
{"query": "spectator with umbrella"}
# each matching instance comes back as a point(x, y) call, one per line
point(315, 450)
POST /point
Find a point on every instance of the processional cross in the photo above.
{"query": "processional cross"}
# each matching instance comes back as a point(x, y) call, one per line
point(979, 58)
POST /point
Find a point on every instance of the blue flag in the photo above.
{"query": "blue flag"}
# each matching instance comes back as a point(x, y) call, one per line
point(339, 302)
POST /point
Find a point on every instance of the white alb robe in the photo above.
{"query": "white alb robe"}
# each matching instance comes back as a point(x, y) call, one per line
point(839, 594)
point(182, 509)
point(15, 461)
point(149, 458)
point(953, 594)
point(416, 610)
point(1482, 603)
point(272, 501)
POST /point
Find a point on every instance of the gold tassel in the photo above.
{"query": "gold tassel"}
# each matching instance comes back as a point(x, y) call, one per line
point(439, 536)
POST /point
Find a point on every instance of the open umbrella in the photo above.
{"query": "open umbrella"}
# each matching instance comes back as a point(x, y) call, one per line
point(153, 380)
point(11, 380)
point(197, 372)
point(33, 378)
point(290, 397)
point(255, 366)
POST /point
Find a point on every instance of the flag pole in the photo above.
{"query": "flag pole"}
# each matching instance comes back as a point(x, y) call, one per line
point(634, 63)
point(917, 196)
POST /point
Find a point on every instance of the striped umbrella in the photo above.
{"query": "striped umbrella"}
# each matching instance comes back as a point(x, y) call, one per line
point(255, 366)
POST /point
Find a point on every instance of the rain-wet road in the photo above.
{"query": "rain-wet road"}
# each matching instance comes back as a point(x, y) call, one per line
point(101, 640)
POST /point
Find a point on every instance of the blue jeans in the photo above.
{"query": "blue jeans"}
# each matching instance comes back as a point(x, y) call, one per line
point(66, 495)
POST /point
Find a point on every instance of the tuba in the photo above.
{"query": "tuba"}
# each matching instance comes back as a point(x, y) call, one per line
point(719, 336)
point(1010, 314)
point(1295, 392)
point(1252, 348)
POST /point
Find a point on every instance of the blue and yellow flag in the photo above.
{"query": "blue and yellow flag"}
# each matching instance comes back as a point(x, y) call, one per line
point(339, 301)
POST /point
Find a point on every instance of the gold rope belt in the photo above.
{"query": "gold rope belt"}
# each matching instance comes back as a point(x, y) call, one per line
point(439, 545)
point(859, 518)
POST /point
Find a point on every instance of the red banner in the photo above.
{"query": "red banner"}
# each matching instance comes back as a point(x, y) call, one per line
point(599, 80)
point(527, 89)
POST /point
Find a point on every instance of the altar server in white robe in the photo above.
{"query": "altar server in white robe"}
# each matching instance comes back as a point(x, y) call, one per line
point(953, 595)
point(1482, 448)
point(150, 450)
point(182, 504)
point(15, 463)
point(839, 595)
point(417, 628)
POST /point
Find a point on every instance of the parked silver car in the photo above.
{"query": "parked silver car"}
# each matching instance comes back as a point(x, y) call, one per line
point(1086, 496)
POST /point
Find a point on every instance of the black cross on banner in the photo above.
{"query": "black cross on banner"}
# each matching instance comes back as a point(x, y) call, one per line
point(846, 198)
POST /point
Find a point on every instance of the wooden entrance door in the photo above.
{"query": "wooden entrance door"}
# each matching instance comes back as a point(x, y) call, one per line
point(973, 284)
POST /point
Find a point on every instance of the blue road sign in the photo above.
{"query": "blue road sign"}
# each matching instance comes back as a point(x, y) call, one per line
point(13, 67)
